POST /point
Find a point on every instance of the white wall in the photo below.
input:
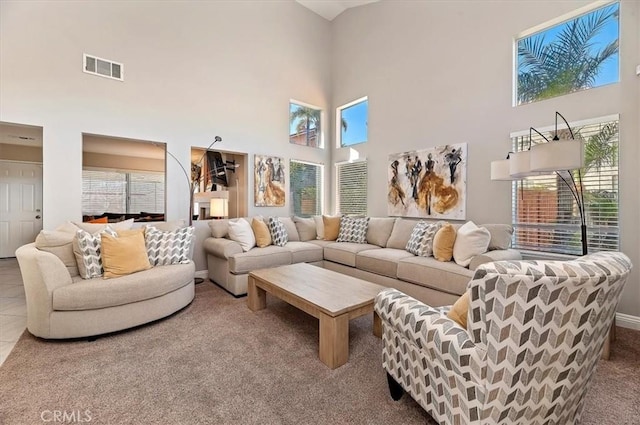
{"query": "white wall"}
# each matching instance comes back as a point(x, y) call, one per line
point(439, 72)
point(193, 70)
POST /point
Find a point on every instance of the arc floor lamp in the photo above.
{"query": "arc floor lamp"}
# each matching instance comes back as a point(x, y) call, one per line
point(559, 156)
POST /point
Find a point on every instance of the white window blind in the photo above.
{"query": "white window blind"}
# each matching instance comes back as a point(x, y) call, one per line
point(306, 188)
point(352, 187)
point(544, 212)
point(123, 192)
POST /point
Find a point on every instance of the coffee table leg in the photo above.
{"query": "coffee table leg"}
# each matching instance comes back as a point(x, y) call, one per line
point(377, 325)
point(334, 340)
point(256, 297)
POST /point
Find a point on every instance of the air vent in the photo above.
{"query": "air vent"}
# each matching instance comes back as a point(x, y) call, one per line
point(102, 67)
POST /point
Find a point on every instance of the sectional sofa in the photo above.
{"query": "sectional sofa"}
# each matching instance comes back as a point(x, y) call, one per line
point(383, 259)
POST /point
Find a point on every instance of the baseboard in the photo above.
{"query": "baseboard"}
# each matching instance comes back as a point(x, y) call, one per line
point(628, 321)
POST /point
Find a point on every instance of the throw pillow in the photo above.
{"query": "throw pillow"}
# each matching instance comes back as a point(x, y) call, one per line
point(421, 240)
point(292, 230)
point(279, 235)
point(459, 310)
point(306, 228)
point(443, 242)
point(319, 226)
point(124, 255)
point(59, 244)
point(168, 247)
point(86, 247)
point(331, 227)
point(97, 227)
point(471, 240)
point(104, 220)
point(353, 229)
point(240, 231)
point(500, 235)
point(261, 232)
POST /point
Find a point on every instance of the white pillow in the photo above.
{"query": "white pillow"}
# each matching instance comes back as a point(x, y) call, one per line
point(319, 226)
point(471, 240)
point(240, 231)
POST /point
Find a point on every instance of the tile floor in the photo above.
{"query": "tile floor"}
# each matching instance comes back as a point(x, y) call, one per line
point(13, 308)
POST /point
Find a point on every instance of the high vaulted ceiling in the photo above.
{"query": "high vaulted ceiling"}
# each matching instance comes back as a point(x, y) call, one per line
point(329, 9)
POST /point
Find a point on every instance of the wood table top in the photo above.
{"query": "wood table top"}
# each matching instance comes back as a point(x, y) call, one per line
point(332, 292)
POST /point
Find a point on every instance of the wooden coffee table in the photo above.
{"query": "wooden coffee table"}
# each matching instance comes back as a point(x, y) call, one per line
point(331, 297)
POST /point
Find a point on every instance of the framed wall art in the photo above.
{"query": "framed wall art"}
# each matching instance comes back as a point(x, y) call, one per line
point(428, 183)
point(269, 175)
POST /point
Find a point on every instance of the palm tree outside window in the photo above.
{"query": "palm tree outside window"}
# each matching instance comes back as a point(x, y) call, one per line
point(575, 55)
point(304, 125)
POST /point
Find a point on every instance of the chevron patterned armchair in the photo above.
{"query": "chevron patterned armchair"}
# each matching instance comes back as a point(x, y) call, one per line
point(536, 330)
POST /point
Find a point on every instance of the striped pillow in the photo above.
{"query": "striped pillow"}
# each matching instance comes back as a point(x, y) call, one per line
point(353, 229)
point(90, 258)
point(168, 247)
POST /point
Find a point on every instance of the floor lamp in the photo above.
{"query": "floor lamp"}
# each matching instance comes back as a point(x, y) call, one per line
point(555, 156)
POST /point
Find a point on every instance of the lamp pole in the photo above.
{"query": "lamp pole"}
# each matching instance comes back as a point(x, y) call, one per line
point(191, 183)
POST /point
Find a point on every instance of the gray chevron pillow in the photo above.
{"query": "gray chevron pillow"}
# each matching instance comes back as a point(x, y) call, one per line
point(165, 248)
point(353, 229)
point(88, 256)
point(421, 241)
point(279, 234)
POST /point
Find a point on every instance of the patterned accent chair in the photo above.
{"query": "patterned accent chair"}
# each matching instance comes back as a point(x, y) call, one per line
point(536, 330)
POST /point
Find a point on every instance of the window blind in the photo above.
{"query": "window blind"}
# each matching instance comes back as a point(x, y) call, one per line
point(121, 192)
point(306, 188)
point(544, 212)
point(352, 187)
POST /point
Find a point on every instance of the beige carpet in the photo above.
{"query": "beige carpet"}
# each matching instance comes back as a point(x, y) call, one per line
point(216, 362)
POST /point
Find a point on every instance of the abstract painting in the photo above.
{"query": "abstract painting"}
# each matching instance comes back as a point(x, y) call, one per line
point(269, 181)
point(428, 183)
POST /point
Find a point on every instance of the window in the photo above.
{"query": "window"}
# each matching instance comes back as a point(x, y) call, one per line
point(306, 188)
point(352, 187)
point(544, 213)
point(570, 56)
point(123, 192)
point(304, 125)
point(354, 120)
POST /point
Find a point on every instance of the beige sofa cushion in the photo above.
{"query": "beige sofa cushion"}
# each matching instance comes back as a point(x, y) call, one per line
point(97, 228)
point(100, 293)
point(401, 233)
point(259, 258)
point(379, 230)
point(500, 235)
point(60, 244)
point(427, 271)
point(304, 252)
point(345, 252)
point(292, 231)
point(381, 261)
point(306, 228)
point(219, 228)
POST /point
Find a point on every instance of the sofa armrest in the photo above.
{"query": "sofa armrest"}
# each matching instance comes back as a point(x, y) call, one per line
point(221, 247)
point(495, 255)
point(428, 328)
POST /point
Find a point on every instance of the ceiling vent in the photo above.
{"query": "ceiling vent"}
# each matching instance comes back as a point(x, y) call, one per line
point(102, 67)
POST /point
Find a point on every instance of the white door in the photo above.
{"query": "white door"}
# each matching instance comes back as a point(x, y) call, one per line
point(20, 205)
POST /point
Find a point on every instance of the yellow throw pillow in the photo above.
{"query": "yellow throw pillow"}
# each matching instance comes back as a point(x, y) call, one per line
point(459, 310)
point(261, 232)
point(124, 255)
point(443, 243)
point(331, 227)
point(130, 232)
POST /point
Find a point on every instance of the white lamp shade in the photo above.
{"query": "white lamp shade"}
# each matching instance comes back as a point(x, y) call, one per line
point(500, 170)
point(519, 164)
point(218, 207)
point(557, 155)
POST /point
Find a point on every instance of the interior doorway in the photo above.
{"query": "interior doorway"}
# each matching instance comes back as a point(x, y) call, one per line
point(20, 186)
point(220, 174)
